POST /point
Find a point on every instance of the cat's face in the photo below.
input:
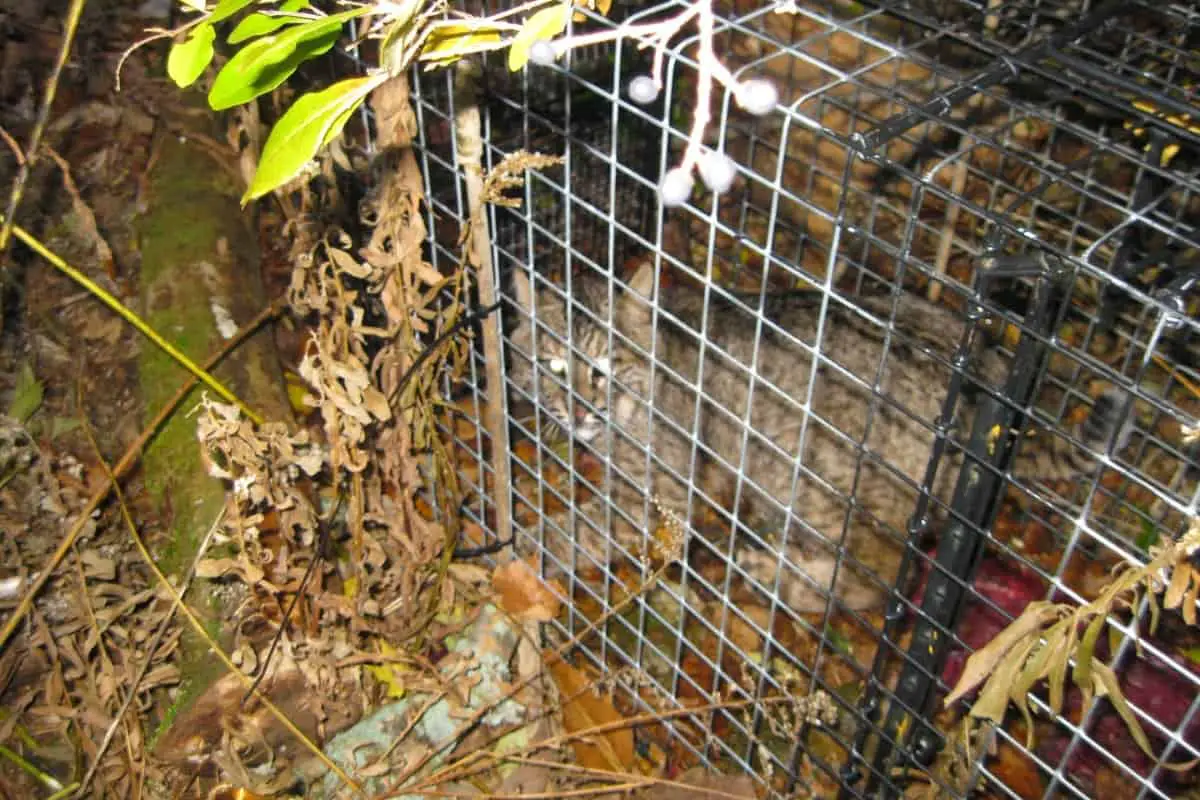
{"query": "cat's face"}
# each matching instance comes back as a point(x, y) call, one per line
point(581, 368)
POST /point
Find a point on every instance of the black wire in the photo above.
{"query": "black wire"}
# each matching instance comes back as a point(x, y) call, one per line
point(469, 319)
point(323, 527)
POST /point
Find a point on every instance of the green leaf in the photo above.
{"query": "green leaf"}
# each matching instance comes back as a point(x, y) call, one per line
point(840, 642)
point(259, 24)
point(446, 44)
point(545, 24)
point(26, 396)
point(267, 62)
point(226, 9)
point(61, 425)
point(310, 123)
point(1148, 536)
point(189, 58)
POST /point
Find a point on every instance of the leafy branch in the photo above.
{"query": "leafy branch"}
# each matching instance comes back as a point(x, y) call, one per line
point(1040, 644)
point(273, 43)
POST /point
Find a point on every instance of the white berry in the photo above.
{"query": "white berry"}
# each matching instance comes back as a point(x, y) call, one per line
point(542, 53)
point(758, 96)
point(676, 187)
point(643, 90)
point(718, 172)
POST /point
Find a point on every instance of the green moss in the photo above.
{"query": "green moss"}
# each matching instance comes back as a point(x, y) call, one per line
point(187, 218)
point(191, 211)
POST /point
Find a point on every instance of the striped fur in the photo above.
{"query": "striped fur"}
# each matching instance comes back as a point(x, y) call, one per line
point(864, 430)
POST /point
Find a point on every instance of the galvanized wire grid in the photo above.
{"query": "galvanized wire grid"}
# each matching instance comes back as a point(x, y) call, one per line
point(920, 139)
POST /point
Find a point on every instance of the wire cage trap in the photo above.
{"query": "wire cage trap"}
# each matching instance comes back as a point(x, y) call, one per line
point(942, 178)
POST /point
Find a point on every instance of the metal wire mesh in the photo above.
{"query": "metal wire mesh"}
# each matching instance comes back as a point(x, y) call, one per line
point(1031, 166)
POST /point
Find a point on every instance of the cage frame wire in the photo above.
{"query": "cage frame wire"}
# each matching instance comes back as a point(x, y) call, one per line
point(1010, 63)
point(915, 682)
point(941, 104)
point(960, 544)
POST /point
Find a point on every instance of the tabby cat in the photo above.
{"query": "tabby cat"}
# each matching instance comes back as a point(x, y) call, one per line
point(861, 429)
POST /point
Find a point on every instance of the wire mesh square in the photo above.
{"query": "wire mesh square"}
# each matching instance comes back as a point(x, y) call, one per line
point(963, 213)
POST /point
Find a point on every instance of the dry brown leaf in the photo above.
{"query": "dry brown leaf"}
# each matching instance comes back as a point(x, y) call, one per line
point(1084, 654)
point(744, 635)
point(230, 792)
point(1018, 771)
point(996, 692)
point(983, 661)
point(1181, 577)
point(1050, 657)
point(583, 710)
point(1107, 685)
point(469, 574)
point(522, 594)
point(526, 779)
point(98, 567)
point(219, 567)
point(348, 263)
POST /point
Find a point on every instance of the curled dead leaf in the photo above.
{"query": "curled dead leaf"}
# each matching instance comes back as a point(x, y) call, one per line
point(983, 662)
point(523, 594)
point(218, 567)
point(583, 710)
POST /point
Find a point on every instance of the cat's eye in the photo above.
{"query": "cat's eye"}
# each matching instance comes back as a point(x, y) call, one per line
point(557, 365)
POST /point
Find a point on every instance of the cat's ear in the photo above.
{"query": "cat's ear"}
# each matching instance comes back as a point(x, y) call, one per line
point(641, 283)
point(522, 291)
point(634, 312)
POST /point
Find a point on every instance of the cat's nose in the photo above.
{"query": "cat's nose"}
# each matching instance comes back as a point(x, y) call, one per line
point(581, 413)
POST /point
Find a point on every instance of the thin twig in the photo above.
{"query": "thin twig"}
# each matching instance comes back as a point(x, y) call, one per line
point(133, 319)
point(324, 525)
point(593, 791)
point(44, 778)
point(561, 650)
point(958, 182)
point(152, 648)
point(469, 764)
point(39, 127)
point(413, 721)
point(85, 601)
point(87, 217)
point(130, 457)
point(198, 625)
point(12, 145)
point(155, 35)
point(605, 773)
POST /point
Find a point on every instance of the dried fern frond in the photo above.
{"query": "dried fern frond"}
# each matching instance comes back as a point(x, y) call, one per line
point(510, 174)
point(1040, 644)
